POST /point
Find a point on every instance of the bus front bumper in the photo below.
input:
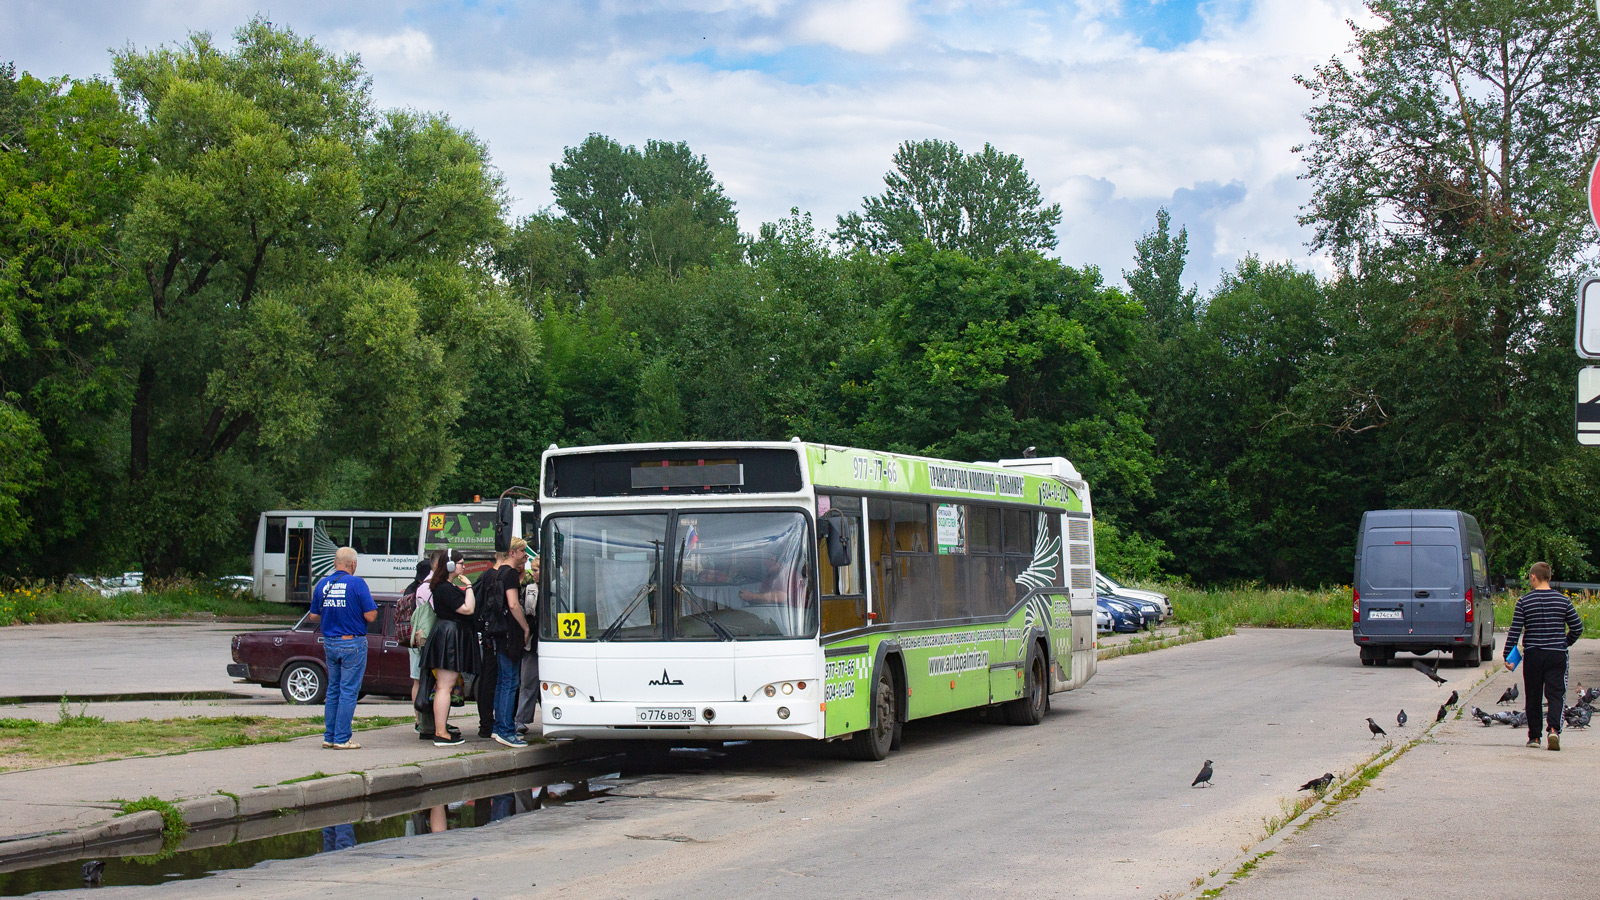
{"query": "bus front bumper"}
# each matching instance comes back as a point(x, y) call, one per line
point(731, 721)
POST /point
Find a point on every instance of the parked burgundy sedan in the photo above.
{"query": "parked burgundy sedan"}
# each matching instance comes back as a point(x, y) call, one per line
point(292, 661)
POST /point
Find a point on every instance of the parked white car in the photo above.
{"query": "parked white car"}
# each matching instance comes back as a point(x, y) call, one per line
point(1105, 585)
point(112, 585)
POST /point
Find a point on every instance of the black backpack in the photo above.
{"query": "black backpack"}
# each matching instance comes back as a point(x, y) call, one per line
point(491, 612)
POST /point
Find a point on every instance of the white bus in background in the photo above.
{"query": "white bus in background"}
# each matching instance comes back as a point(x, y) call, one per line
point(469, 527)
point(294, 549)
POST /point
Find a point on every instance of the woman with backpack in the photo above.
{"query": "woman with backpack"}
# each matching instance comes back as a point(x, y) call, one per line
point(407, 635)
point(451, 650)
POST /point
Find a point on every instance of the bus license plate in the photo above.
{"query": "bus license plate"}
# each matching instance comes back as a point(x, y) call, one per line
point(1384, 614)
point(677, 715)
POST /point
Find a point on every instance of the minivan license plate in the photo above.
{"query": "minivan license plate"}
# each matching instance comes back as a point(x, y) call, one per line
point(1385, 614)
point(667, 714)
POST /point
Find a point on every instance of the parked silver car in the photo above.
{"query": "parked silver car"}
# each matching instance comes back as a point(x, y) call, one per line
point(1105, 585)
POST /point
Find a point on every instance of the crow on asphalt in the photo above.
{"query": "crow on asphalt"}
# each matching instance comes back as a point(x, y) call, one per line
point(1440, 717)
point(1509, 695)
point(1454, 696)
point(1318, 784)
point(1375, 727)
point(1204, 777)
point(1401, 719)
point(1427, 670)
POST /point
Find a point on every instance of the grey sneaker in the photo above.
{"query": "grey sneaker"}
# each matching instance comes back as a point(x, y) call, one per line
point(1534, 744)
point(1553, 740)
point(511, 741)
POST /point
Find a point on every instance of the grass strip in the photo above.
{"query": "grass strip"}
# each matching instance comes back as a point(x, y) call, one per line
point(1188, 634)
point(79, 738)
point(173, 827)
point(40, 603)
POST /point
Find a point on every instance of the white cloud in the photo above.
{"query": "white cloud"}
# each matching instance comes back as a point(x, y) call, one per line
point(823, 92)
point(384, 52)
point(860, 26)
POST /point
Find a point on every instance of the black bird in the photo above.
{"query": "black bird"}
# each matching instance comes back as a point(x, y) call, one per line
point(1454, 696)
point(1204, 777)
point(1509, 695)
point(1516, 691)
point(1401, 719)
point(92, 872)
point(1375, 727)
point(1318, 784)
point(1427, 670)
point(1440, 717)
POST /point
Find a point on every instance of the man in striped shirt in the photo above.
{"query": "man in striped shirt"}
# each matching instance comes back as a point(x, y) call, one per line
point(1547, 624)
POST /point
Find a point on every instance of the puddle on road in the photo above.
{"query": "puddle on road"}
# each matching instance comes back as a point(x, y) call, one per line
point(536, 791)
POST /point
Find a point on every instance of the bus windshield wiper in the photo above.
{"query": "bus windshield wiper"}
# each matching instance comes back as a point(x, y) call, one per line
point(644, 590)
point(704, 614)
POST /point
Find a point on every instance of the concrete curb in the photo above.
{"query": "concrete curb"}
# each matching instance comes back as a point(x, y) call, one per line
point(260, 812)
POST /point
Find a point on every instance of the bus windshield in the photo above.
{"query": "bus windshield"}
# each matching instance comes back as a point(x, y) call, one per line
point(730, 576)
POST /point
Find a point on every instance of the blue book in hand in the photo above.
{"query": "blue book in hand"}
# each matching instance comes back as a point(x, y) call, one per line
point(1515, 657)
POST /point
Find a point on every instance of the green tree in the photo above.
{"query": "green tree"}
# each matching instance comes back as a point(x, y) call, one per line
point(634, 210)
point(981, 204)
point(1449, 161)
point(66, 174)
point(314, 291)
point(982, 359)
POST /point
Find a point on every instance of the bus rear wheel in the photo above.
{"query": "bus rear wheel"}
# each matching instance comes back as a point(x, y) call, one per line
point(875, 743)
point(1029, 708)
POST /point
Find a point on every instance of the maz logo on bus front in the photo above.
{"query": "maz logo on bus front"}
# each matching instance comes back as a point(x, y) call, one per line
point(665, 680)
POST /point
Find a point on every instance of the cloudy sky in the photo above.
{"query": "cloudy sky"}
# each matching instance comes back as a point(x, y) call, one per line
point(1118, 107)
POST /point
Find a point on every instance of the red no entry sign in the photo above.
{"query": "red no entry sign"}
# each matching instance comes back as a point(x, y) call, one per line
point(1594, 185)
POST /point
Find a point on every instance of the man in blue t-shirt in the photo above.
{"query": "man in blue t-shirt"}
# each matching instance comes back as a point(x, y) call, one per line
point(342, 606)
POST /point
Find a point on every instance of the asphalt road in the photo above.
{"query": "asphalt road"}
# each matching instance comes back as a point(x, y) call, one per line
point(1094, 802)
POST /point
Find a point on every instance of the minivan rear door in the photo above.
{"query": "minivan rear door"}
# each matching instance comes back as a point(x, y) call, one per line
point(1386, 581)
point(1438, 600)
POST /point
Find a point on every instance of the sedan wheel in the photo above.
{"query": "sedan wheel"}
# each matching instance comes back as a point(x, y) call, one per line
point(304, 683)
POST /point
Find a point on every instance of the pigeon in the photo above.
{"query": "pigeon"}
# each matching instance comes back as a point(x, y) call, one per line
point(1516, 691)
point(1427, 670)
point(1401, 719)
point(1440, 717)
point(1509, 695)
point(1204, 777)
point(1587, 696)
point(93, 870)
point(1375, 727)
point(1482, 716)
point(1454, 696)
point(1577, 716)
point(1318, 784)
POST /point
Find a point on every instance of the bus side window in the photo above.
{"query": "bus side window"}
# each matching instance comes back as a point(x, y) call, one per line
point(844, 601)
point(277, 534)
point(882, 562)
point(405, 533)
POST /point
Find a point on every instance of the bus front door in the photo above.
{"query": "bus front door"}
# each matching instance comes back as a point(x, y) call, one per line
point(299, 565)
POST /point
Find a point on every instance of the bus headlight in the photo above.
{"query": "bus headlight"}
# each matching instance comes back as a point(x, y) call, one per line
point(788, 688)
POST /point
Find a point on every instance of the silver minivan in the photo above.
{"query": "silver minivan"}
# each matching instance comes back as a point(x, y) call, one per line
point(1421, 585)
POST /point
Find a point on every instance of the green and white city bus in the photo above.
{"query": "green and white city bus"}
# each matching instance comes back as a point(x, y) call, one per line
point(699, 591)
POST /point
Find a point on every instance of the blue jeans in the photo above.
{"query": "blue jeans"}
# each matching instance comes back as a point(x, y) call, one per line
point(505, 696)
point(347, 663)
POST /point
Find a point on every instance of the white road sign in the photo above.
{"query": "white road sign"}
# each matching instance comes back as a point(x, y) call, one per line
point(1589, 317)
point(1588, 418)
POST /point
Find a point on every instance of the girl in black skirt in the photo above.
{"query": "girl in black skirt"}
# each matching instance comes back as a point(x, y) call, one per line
point(451, 650)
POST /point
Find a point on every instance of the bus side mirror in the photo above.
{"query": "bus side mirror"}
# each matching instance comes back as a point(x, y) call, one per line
point(833, 531)
point(504, 516)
